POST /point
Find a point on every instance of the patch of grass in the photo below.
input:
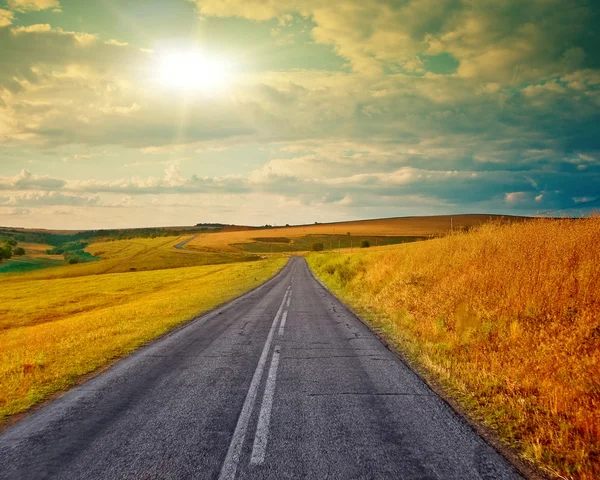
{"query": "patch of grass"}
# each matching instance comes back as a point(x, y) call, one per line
point(27, 264)
point(53, 331)
point(507, 317)
point(330, 242)
point(273, 239)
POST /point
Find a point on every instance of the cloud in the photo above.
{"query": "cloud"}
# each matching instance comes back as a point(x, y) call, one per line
point(6, 17)
point(76, 157)
point(492, 104)
point(37, 199)
point(173, 181)
point(502, 41)
point(515, 197)
point(34, 5)
point(18, 212)
point(25, 180)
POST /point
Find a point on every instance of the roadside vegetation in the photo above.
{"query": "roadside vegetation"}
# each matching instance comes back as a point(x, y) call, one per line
point(54, 330)
point(506, 318)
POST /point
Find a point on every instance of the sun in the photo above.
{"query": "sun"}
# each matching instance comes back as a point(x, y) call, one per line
point(193, 70)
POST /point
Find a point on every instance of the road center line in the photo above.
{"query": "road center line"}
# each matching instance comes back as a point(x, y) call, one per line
point(229, 468)
point(283, 320)
point(259, 448)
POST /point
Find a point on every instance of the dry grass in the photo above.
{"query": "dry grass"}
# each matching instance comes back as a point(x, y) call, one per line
point(38, 250)
point(507, 317)
point(391, 227)
point(53, 331)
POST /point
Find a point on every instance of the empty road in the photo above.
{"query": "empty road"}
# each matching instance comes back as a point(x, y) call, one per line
point(281, 383)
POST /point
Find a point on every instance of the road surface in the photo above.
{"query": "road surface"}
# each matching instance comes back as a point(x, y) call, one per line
point(283, 382)
point(181, 245)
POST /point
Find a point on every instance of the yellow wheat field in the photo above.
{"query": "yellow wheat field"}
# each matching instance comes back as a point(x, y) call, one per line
point(404, 226)
point(507, 317)
point(53, 331)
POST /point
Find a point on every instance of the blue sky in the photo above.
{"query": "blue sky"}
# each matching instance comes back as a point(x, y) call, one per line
point(166, 112)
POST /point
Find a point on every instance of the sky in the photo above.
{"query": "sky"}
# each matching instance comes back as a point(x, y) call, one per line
point(131, 113)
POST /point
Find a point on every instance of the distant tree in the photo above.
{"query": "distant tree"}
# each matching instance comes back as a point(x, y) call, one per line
point(17, 252)
point(317, 247)
point(287, 224)
point(73, 261)
point(364, 244)
point(5, 252)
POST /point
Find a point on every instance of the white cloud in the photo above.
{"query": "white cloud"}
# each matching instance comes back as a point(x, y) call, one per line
point(25, 180)
point(6, 17)
point(34, 5)
point(515, 197)
point(43, 198)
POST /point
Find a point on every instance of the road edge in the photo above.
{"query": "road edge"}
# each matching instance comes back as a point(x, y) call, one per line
point(510, 454)
point(12, 420)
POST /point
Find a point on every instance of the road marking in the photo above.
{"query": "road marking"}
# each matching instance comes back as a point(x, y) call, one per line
point(289, 299)
point(282, 324)
point(259, 448)
point(232, 459)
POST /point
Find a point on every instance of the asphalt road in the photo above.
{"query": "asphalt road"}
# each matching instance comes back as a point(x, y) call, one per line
point(181, 245)
point(282, 383)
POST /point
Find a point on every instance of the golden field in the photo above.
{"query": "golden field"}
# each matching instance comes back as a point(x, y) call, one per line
point(137, 254)
point(391, 227)
point(506, 318)
point(59, 324)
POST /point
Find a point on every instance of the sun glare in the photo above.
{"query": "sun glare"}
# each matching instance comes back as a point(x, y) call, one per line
point(193, 70)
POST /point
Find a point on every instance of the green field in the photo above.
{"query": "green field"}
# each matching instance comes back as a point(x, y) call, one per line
point(330, 242)
point(28, 264)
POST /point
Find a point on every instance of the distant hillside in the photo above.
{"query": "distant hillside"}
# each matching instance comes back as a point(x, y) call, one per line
point(383, 227)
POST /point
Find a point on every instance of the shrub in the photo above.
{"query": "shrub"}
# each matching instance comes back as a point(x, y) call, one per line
point(19, 251)
point(5, 252)
point(364, 244)
point(73, 261)
point(317, 247)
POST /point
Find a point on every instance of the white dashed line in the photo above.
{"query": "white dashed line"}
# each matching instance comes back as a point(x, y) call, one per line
point(229, 468)
point(259, 448)
point(283, 320)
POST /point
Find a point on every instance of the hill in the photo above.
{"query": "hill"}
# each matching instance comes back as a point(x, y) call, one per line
point(415, 227)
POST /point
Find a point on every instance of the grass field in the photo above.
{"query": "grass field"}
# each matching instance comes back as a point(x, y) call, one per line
point(507, 318)
point(231, 241)
point(54, 330)
point(138, 254)
point(159, 253)
point(305, 243)
point(28, 264)
point(35, 258)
